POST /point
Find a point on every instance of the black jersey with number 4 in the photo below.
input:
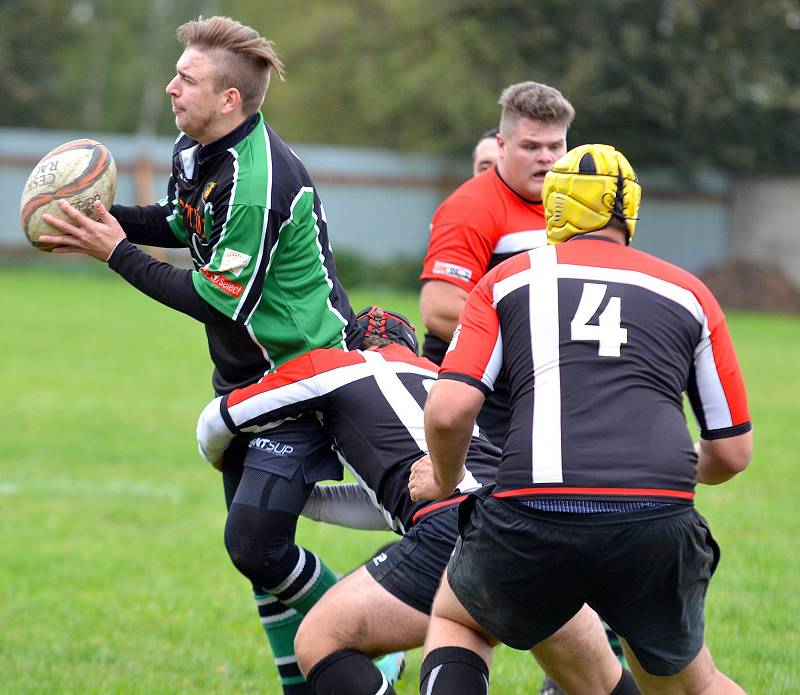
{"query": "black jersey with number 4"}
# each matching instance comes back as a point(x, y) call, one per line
point(599, 342)
point(371, 403)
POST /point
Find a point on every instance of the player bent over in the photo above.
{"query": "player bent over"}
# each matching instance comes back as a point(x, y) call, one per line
point(371, 402)
point(594, 496)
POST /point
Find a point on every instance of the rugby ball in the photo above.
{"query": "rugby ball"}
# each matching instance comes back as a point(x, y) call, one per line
point(80, 172)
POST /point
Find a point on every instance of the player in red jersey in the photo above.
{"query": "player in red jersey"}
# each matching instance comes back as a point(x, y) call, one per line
point(491, 217)
point(596, 486)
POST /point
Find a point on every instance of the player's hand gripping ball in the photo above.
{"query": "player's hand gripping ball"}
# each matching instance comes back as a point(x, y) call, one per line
point(80, 172)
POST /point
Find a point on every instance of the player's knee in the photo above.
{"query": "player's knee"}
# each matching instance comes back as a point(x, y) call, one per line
point(255, 550)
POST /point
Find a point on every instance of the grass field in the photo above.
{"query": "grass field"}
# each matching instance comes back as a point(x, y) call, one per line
point(113, 574)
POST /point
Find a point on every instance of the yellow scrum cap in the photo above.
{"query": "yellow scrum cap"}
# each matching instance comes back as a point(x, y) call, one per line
point(588, 186)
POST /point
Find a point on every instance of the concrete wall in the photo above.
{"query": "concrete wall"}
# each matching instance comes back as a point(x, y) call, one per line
point(766, 222)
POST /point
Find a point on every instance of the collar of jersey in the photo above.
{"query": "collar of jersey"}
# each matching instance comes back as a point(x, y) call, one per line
point(521, 197)
point(227, 141)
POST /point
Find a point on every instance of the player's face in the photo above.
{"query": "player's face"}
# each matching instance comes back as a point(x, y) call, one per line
point(485, 155)
point(528, 153)
point(194, 102)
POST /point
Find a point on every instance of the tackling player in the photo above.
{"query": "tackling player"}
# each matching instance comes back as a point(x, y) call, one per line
point(371, 402)
point(596, 486)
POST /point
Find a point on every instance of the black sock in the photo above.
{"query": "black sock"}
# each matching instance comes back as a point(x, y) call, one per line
point(347, 672)
point(626, 685)
point(453, 671)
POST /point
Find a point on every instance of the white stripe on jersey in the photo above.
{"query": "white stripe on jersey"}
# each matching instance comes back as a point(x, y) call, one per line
point(391, 521)
point(668, 290)
point(264, 223)
point(712, 395)
point(328, 279)
point(516, 242)
point(495, 362)
point(313, 387)
point(543, 305)
point(398, 396)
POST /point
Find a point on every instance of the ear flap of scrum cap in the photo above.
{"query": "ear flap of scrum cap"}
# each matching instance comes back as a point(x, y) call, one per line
point(586, 188)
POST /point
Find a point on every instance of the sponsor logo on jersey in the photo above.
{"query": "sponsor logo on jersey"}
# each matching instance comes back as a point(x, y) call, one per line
point(234, 289)
point(441, 268)
point(208, 190)
point(193, 218)
point(271, 446)
point(233, 262)
point(378, 559)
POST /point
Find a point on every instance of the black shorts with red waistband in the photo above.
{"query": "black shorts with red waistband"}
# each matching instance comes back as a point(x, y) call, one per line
point(522, 573)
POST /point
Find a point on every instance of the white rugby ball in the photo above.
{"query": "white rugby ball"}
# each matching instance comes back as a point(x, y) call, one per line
point(80, 172)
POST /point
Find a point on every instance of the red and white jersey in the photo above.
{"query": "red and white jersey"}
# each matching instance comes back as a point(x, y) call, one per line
point(482, 223)
point(599, 342)
point(371, 403)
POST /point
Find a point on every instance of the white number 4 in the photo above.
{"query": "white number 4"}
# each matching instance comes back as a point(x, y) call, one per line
point(608, 333)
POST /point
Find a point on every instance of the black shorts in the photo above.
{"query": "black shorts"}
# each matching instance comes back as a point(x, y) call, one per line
point(412, 569)
point(292, 444)
point(645, 572)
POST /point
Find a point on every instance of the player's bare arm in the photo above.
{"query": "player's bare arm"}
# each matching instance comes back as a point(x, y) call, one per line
point(440, 304)
point(450, 414)
point(718, 460)
point(422, 483)
point(97, 239)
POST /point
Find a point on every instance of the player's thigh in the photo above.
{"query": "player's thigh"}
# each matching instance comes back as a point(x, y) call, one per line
point(515, 571)
point(452, 625)
point(698, 677)
point(658, 605)
point(357, 613)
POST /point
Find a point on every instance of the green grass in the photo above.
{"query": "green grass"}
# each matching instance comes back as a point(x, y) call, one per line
point(113, 574)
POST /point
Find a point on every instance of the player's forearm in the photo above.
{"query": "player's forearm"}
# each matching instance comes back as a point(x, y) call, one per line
point(145, 224)
point(213, 433)
point(448, 451)
point(161, 281)
point(447, 434)
point(450, 413)
point(719, 460)
point(347, 505)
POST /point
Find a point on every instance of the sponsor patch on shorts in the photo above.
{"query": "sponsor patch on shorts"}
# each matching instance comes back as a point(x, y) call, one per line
point(442, 268)
point(271, 446)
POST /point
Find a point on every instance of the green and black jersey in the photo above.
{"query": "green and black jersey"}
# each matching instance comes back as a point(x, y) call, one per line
point(264, 280)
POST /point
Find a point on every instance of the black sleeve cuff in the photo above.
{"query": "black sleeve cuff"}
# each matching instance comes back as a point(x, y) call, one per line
point(725, 432)
point(466, 379)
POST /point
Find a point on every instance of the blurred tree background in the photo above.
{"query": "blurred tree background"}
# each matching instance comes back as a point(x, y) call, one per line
point(680, 83)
